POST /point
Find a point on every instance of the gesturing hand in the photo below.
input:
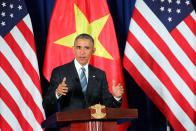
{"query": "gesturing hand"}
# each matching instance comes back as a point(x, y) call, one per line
point(117, 90)
point(62, 88)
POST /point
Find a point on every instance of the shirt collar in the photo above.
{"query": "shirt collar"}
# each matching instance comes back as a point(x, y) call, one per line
point(78, 66)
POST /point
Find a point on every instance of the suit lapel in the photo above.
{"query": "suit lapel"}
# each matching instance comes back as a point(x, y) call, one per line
point(74, 78)
point(73, 73)
point(91, 79)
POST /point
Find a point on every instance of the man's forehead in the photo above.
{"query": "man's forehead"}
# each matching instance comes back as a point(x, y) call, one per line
point(83, 42)
point(82, 39)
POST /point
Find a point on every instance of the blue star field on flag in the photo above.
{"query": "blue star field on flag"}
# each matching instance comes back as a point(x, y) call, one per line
point(11, 12)
point(170, 12)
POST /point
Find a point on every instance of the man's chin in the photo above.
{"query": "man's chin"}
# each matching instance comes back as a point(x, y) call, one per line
point(83, 63)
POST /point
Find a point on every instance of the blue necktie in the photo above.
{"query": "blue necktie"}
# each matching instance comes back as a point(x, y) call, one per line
point(83, 80)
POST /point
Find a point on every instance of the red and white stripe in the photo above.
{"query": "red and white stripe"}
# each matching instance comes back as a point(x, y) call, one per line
point(94, 126)
point(163, 64)
point(21, 99)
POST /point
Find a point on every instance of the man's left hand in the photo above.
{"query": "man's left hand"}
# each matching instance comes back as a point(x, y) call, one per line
point(118, 90)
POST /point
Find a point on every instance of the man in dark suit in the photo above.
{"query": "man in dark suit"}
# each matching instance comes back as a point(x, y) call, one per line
point(78, 84)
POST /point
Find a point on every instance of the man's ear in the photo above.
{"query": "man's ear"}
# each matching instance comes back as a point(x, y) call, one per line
point(94, 49)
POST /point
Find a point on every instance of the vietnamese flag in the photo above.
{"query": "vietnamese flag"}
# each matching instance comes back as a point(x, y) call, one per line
point(73, 17)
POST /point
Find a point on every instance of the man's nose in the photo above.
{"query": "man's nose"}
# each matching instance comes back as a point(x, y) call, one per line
point(82, 51)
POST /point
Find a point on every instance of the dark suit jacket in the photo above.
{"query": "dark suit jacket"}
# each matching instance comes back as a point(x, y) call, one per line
point(97, 89)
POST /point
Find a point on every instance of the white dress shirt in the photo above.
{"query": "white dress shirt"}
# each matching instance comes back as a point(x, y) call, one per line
point(79, 70)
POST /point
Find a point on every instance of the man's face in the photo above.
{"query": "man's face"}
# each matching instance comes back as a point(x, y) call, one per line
point(83, 49)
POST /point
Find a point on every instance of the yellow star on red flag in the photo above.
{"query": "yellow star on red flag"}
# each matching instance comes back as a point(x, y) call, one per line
point(83, 26)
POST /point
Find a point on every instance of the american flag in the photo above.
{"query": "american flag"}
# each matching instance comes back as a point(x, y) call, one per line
point(160, 54)
point(20, 95)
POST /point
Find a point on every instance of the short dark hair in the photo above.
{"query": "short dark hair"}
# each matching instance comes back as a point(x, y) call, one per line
point(84, 36)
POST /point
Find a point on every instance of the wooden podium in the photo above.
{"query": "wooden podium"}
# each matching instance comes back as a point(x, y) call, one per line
point(97, 117)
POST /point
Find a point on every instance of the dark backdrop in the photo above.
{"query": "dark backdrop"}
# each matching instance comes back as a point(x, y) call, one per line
point(150, 118)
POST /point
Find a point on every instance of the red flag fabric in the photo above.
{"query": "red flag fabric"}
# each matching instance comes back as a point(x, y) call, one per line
point(73, 17)
point(21, 99)
point(160, 56)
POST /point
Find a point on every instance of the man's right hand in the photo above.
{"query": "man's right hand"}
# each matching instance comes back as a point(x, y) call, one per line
point(62, 88)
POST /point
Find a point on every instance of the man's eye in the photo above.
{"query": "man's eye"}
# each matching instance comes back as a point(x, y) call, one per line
point(87, 48)
point(78, 47)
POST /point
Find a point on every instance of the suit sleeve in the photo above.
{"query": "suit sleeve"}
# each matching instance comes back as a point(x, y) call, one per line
point(50, 100)
point(107, 98)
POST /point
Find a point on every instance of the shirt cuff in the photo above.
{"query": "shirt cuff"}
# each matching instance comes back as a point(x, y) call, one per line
point(57, 95)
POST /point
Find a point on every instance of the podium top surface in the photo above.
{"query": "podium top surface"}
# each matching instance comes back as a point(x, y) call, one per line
point(112, 114)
